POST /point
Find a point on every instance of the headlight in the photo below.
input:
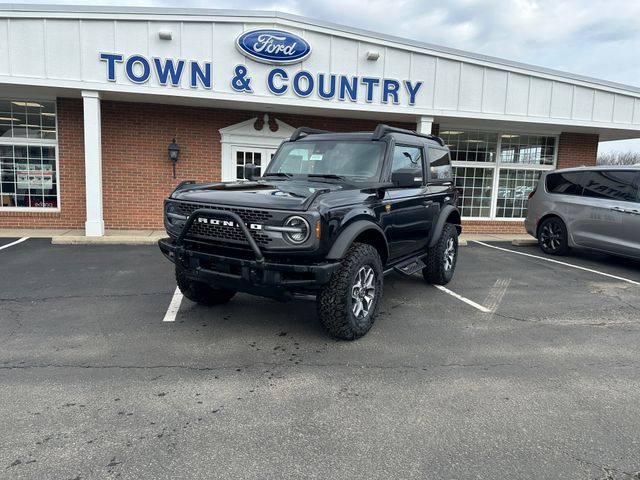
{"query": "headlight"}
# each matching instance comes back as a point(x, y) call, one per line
point(174, 218)
point(298, 230)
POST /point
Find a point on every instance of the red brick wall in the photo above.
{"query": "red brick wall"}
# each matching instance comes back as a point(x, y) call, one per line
point(492, 226)
point(70, 175)
point(576, 149)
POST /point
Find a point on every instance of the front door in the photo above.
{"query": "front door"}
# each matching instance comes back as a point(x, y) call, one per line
point(241, 155)
point(409, 213)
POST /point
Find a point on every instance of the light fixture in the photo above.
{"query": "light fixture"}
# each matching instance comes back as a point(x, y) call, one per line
point(27, 104)
point(451, 132)
point(174, 154)
point(373, 55)
point(8, 119)
point(165, 35)
point(509, 136)
point(48, 114)
point(476, 141)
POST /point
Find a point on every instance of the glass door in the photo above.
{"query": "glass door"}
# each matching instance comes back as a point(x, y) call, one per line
point(242, 155)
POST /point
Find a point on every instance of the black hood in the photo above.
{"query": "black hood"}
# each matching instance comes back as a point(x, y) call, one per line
point(278, 195)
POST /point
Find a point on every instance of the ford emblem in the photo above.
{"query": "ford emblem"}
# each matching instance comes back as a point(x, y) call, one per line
point(273, 46)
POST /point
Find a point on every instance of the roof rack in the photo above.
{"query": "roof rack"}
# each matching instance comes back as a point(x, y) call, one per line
point(382, 129)
point(304, 131)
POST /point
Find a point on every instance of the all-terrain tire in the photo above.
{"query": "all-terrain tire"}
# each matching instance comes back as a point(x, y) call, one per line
point(552, 236)
point(338, 301)
point(200, 292)
point(441, 259)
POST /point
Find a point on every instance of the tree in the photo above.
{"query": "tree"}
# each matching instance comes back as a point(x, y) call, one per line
point(619, 158)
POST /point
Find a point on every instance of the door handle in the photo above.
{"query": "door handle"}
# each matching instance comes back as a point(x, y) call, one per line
point(427, 203)
point(626, 210)
point(618, 209)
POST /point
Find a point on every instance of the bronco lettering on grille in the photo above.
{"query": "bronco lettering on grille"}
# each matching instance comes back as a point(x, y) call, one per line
point(227, 223)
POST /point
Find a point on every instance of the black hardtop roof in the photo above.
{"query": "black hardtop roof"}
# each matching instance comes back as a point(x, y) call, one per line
point(381, 131)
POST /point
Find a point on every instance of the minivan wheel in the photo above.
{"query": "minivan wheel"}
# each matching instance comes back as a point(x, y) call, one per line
point(552, 236)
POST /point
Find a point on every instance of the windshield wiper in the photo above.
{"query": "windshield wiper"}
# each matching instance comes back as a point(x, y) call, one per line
point(277, 174)
point(326, 175)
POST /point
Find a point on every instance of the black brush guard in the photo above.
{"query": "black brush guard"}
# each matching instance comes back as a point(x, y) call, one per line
point(256, 276)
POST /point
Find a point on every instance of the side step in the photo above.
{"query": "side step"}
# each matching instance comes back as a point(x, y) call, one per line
point(410, 266)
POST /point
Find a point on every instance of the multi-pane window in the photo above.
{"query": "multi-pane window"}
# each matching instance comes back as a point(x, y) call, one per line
point(28, 165)
point(495, 172)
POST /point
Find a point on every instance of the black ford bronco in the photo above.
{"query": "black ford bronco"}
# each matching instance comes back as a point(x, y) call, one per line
point(330, 216)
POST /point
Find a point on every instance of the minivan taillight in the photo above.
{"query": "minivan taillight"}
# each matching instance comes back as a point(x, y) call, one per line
point(532, 192)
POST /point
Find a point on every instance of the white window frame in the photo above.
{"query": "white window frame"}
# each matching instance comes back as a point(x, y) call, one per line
point(244, 136)
point(41, 143)
point(497, 166)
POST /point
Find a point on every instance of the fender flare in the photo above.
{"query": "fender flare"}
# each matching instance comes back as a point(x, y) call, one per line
point(442, 219)
point(349, 234)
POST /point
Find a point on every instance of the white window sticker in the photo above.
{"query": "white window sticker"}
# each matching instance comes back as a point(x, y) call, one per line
point(315, 157)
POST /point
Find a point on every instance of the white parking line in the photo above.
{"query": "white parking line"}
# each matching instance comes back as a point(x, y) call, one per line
point(14, 243)
point(174, 306)
point(560, 263)
point(463, 299)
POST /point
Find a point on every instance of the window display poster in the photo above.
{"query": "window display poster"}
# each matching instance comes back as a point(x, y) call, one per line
point(34, 176)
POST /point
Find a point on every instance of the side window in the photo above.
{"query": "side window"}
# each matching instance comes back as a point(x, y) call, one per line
point(565, 183)
point(439, 164)
point(610, 184)
point(408, 159)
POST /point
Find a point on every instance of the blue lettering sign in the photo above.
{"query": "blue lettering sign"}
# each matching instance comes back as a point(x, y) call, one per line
point(132, 75)
point(111, 59)
point(412, 90)
point(198, 75)
point(273, 88)
point(170, 69)
point(390, 88)
point(348, 87)
point(298, 89)
point(326, 95)
point(370, 83)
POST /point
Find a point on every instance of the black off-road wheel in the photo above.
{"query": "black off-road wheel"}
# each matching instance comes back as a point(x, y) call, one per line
point(200, 292)
point(348, 304)
point(442, 257)
point(552, 236)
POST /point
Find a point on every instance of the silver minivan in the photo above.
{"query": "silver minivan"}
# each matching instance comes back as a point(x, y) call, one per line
point(588, 207)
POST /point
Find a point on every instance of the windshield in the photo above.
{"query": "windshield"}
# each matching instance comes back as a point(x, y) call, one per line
point(355, 160)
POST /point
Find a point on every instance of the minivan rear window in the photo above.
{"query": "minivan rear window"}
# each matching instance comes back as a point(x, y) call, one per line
point(567, 183)
point(611, 184)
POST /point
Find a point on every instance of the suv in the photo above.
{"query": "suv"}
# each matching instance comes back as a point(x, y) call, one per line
point(332, 213)
point(589, 207)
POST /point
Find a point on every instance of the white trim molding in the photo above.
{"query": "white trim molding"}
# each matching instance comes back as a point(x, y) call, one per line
point(94, 225)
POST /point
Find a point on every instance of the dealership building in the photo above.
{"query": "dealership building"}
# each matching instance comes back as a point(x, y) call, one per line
point(91, 98)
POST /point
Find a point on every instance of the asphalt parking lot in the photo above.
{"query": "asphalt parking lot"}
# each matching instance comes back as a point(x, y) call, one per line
point(93, 383)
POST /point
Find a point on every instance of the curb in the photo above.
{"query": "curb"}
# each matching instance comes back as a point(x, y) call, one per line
point(524, 242)
point(114, 240)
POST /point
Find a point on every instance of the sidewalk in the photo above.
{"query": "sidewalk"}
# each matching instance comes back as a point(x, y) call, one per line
point(150, 237)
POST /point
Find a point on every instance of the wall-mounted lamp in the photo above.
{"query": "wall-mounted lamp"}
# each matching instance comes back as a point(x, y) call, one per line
point(165, 35)
point(373, 55)
point(174, 153)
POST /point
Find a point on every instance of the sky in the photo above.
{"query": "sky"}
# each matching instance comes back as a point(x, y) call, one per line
point(596, 38)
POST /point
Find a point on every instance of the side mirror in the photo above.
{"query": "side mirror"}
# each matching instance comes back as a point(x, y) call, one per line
point(406, 178)
point(251, 171)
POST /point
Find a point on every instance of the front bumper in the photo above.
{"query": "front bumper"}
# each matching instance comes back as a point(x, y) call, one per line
point(255, 276)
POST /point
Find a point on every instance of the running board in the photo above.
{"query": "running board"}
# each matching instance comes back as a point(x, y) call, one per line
point(410, 266)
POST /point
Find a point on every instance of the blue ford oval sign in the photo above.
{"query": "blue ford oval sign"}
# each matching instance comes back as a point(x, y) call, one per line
point(273, 46)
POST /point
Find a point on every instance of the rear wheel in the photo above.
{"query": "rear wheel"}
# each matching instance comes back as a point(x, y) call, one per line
point(200, 292)
point(348, 304)
point(442, 257)
point(552, 236)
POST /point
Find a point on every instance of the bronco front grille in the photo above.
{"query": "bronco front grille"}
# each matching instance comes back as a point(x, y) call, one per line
point(224, 233)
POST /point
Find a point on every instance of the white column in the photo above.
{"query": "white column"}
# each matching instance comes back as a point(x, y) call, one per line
point(94, 226)
point(424, 125)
